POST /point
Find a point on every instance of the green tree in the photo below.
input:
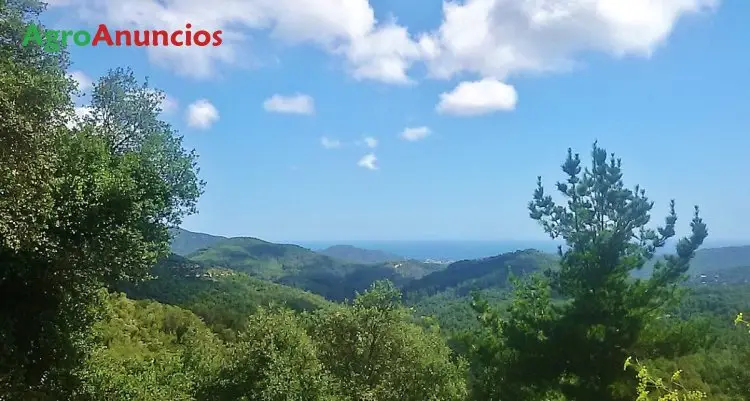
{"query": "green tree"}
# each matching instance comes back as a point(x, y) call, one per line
point(147, 351)
point(273, 360)
point(740, 320)
point(126, 114)
point(577, 346)
point(375, 352)
point(34, 104)
point(76, 211)
point(651, 387)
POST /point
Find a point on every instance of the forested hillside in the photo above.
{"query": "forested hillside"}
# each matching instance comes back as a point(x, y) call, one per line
point(300, 267)
point(223, 298)
point(715, 260)
point(95, 307)
point(493, 272)
point(710, 262)
point(353, 254)
point(185, 242)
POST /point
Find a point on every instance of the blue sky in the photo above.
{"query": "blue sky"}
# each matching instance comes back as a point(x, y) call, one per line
point(501, 88)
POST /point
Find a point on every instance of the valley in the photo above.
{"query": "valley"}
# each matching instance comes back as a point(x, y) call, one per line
point(263, 273)
point(105, 296)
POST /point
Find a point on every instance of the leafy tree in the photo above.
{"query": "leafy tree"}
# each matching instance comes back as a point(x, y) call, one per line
point(221, 297)
point(740, 320)
point(657, 389)
point(375, 352)
point(125, 113)
point(273, 360)
point(34, 95)
point(577, 347)
point(77, 209)
point(148, 351)
point(724, 369)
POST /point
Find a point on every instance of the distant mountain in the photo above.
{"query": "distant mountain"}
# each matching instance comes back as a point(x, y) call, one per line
point(725, 265)
point(711, 260)
point(468, 275)
point(731, 275)
point(353, 254)
point(185, 242)
point(265, 259)
point(300, 267)
point(443, 250)
point(222, 297)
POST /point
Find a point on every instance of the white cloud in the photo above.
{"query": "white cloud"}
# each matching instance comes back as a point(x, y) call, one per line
point(368, 161)
point(329, 143)
point(84, 81)
point(496, 39)
point(415, 134)
point(80, 113)
point(385, 54)
point(201, 114)
point(368, 142)
point(478, 97)
point(83, 111)
point(347, 28)
point(295, 104)
point(169, 104)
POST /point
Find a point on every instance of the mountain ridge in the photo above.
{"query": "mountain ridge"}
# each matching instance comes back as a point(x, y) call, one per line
point(296, 266)
point(185, 242)
point(351, 253)
point(337, 278)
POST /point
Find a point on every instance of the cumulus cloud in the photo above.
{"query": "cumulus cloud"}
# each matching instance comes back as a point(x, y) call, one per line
point(415, 134)
point(201, 114)
point(84, 81)
point(386, 54)
point(295, 104)
point(80, 113)
point(169, 104)
point(370, 142)
point(329, 143)
point(496, 38)
point(478, 97)
point(486, 39)
point(368, 161)
point(345, 28)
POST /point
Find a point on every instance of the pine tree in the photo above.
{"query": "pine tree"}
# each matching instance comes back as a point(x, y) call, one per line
point(576, 345)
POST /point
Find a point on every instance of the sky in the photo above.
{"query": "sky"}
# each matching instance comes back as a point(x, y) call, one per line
point(407, 120)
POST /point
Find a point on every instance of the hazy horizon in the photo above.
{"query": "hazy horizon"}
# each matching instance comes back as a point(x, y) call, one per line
point(456, 249)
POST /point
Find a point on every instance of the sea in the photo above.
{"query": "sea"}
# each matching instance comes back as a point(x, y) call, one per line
point(445, 251)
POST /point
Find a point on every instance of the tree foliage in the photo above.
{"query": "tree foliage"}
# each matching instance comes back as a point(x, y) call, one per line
point(86, 205)
point(577, 346)
point(273, 360)
point(375, 352)
point(75, 211)
point(148, 351)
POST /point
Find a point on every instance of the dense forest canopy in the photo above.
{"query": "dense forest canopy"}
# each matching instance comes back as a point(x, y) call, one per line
point(94, 306)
